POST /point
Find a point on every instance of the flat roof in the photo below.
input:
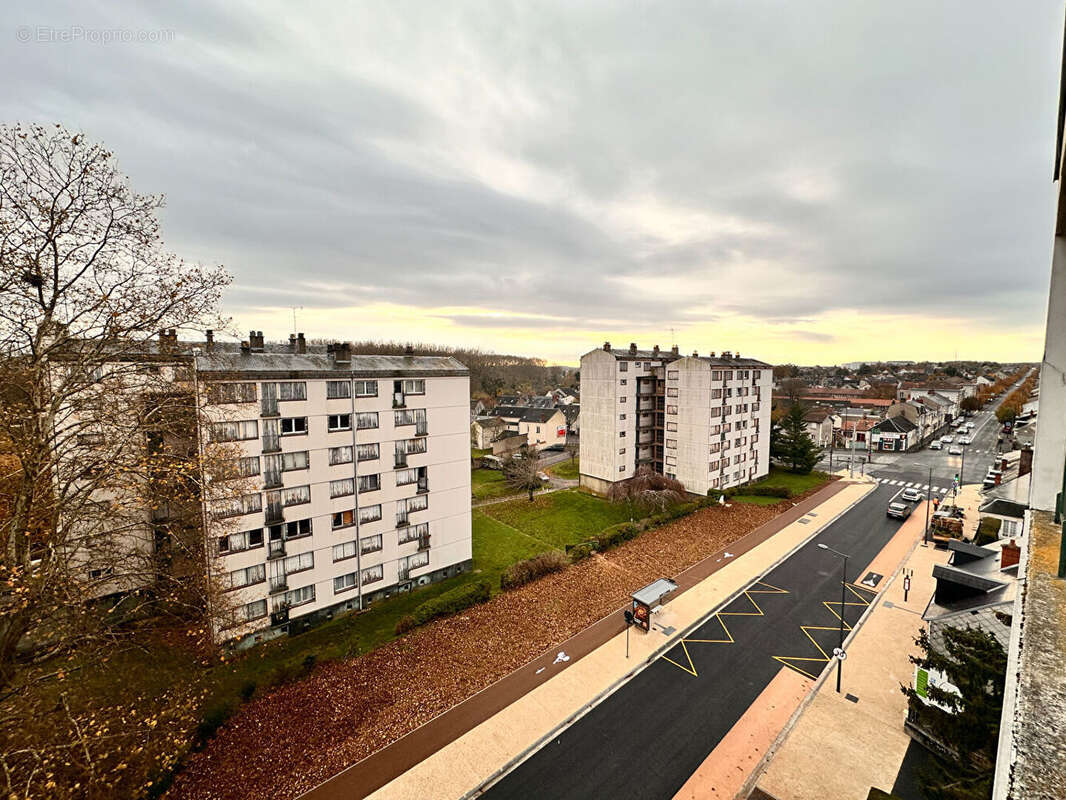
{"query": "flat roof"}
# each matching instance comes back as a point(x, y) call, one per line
point(654, 591)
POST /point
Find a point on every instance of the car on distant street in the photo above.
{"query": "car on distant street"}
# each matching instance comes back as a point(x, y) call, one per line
point(543, 476)
point(911, 495)
point(965, 440)
point(947, 439)
point(970, 426)
point(898, 510)
point(954, 450)
point(936, 444)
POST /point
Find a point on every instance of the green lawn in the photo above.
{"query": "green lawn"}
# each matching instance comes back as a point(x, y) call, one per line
point(489, 483)
point(476, 453)
point(755, 499)
point(796, 482)
point(567, 470)
point(561, 518)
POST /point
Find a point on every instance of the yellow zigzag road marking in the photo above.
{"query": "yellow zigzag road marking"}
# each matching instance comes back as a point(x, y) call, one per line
point(758, 612)
point(832, 606)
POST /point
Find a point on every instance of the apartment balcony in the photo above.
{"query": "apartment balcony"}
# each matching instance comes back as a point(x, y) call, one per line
point(280, 617)
point(268, 407)
point(403, 573)
point(423, 542)
point(399, 400)
point(273, 513)
point(271, 443)
point(279, 584)
point(646, 405)
point(275, 549)
point(272, 479)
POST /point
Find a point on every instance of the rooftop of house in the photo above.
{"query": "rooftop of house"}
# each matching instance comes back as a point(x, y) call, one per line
point(975, 577)
point(526, 413)
point(726, 359)
point(895, 425)
point(817, 415)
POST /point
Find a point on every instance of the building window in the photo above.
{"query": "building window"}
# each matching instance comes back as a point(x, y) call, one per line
point(253, 610)
point(298, 563)
point(369, 483)
point(342, 487)
point(344, 550)
point(366, 388)
point(247, 576)
point(716, 374)
point(291, 426)
point(344, 582)
point(414, 386)
point(373, 574)
point(368, 452)
point(364, 420)
point(416, 560)
point(621, 416)
point(369, 514)
point(624, 382)
point(413, 533)
point(406, 476)
point(715, 447)
point(297, 597)
point(622, 469)
point(234, 431)
point(671, 443)
point(716, 394)
point(671, 374)
point(671, 391)
point(671, 426)
point(248, 466)
point(236, 542)
point(339, 422)
point(621, 434)
point(342, 519)
point(622, 451)
point(671, 461)
point(727, 374)
point(335, 390)
point(623, 366)
point(340, 455)
point(220, 393)
point(236, 506)
point(716, 429)
point(622, 399)
point(671, 409)
point(297, 460)
point(292, 530)
point(370, 544)
point(295, 390)
point(296, 495)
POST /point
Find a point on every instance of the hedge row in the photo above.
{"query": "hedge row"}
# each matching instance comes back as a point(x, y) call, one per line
point(450, 602)
point(522, 572)
point(623, 532)
point(759, 491)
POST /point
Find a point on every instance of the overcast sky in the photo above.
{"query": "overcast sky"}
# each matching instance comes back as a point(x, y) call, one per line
point(808, 182)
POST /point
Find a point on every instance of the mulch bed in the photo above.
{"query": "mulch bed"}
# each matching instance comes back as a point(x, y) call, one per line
point(286, 743)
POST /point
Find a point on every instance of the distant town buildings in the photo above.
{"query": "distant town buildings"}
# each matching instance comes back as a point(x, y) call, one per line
point(704, 420)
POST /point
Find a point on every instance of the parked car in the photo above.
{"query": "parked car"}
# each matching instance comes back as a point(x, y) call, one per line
point(911, 495)
point(947, 439)
point(965, 440)
point(899, 510)
point(543, 476)
point(954, 450)
point(970, 426)
point(936, 444)
point(491, 462)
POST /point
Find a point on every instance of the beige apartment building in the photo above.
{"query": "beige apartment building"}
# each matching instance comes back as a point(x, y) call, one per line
point(704, 420)
point(360, 478)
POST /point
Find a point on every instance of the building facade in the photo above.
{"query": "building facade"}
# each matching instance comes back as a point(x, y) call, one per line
point(702, 420)
point(359, 479)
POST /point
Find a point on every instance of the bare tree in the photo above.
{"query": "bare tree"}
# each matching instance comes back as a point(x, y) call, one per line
point(103, 478)
point(522, 470)
point(573, 446)
point(647, 488)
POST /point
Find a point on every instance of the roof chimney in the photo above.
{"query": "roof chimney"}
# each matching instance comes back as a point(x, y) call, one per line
point(727, 354)
point(675, 350)
point(737, 355)
point(1010, 555)
point(655, 351)
point(245, 348)
point(632, 348)
point(695, 354)
point(168, 340)
point(292, 342)
point(1025, 462)
point(712, 354)
point(341, 353)
point(301, 343)
point(255, 341)
point(209, 335)
point(607, 346)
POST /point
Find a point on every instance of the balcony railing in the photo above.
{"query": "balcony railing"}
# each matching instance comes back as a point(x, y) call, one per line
point(421, 428)
point(274, 513)
point(269, 407)
point(423, 542)
point(279, 617)
point(399, 400)
point(272, 479)
point(401, 519)
point(276, 549)
point(423, 485)
point(403, 573)
point(271, 443)
point(279, 584)
point(401, 460)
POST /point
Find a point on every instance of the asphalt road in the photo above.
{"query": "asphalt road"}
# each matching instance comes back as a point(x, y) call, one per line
point(648, 737)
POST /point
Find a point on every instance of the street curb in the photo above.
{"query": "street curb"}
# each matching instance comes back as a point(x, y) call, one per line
point(753, 779)
point(530, 751)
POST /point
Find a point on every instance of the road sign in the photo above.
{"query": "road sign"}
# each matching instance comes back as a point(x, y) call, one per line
point(839, 654)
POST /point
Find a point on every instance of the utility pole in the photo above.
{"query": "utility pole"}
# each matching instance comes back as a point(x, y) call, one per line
point(928, 504)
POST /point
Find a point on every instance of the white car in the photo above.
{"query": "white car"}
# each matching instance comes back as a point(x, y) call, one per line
point(911, 495)
point(965, 440)
point(947, 439)
point(969, 426)
point(955, 450)
point(936, 445)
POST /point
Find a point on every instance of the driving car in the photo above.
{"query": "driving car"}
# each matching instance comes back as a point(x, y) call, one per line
point(898, 510)
point(911, 495)
point(965, 440)
point(954, 450)
point(936, 444)
point(947, 439)
point(543, 477)
point(970, 426)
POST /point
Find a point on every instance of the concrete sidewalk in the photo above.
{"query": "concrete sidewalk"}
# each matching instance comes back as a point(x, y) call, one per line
point(568, 690)
point(862, 727)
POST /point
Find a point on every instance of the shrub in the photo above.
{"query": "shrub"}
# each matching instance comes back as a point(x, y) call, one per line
point(987, 531)
point(247, 690)
point(522, 572)
point(451, 602)
point(579, 552)
point(308, 663)
point(769, 491)
point(404, 624)
point(284, 673)
point(629, 530)
point(214, 718)
point(610, 537)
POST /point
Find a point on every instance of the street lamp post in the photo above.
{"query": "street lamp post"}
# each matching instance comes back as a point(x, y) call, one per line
point(843, 597)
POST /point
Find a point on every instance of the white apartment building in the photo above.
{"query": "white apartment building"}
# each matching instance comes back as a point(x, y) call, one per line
point(704, 420)
point(360, 479)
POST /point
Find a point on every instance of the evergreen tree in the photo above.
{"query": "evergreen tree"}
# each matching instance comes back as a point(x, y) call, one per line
point(791, 444)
